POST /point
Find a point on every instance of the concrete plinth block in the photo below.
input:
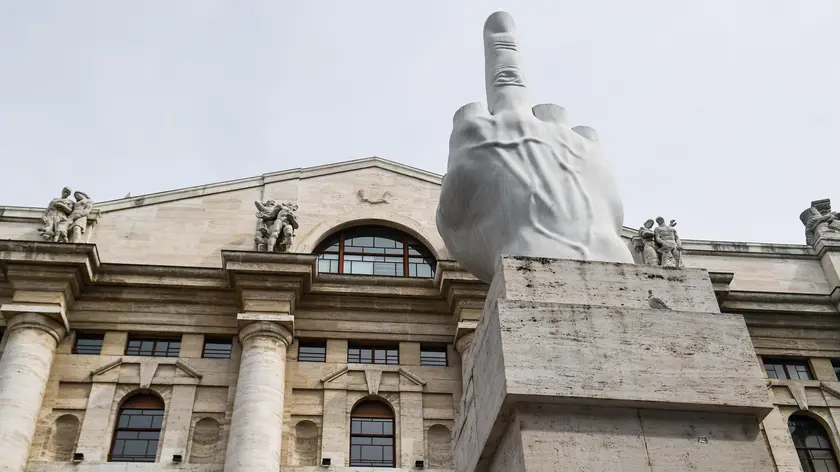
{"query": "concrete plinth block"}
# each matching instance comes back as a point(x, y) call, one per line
point(550, 338)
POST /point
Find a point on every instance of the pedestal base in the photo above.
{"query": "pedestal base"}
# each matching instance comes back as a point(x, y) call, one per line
point(572, 370)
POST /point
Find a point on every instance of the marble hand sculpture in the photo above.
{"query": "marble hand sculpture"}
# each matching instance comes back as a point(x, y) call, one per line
point(519, 180)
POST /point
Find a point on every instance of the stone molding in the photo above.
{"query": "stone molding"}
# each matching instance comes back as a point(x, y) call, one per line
point(797, 390)
point(39, 321)
point(738, 301)
point(148, 369)
point(373, 372)
point(268, 329)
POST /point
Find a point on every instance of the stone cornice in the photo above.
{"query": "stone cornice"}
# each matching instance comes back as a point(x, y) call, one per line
point(161, 276)
point(720, 284)
point(83, 257)
point(781, 303)
point(269, 282)
point(464, 293)
point(741, 249)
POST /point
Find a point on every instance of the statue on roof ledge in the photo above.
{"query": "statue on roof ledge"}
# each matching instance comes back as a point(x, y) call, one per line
point(820, 222)
point(66, 220)
point(660, 245)
point(277, 225)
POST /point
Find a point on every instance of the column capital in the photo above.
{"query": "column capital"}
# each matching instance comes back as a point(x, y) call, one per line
point(35, 320)
point(270, 329)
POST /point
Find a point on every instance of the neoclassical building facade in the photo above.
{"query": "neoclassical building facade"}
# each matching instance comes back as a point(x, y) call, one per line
point(161, 332)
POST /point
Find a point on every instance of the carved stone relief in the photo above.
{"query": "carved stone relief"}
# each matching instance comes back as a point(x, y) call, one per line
point(66, 220)
point(376, 199)
point(820, 222)
point(660, 244)
point(277, 225)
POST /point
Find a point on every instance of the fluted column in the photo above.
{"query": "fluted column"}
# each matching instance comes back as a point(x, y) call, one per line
point(24, 370)
point(464, 346)
point(256, 428)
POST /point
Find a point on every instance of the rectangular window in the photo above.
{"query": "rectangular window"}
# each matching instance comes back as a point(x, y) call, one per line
point(359, 354)
point(836, 364)
point(88, 343)
point(433, 356)
point(372, 442)
point(158, 347)
point(786, 368)
point(217, 348)
point(312, 351)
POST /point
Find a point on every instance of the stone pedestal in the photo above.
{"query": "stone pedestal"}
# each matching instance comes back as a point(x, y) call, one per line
point(24, 369)
point(256, 428)
point(572, 370)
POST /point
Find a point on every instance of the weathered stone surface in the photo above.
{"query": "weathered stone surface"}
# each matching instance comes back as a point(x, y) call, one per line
point(545, 337)
point(24, 371)
point(604, 284)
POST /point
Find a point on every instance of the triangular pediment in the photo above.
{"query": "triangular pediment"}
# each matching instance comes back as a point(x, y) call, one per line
point(300, 173)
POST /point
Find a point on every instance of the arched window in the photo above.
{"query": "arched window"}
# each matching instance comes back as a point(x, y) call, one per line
point(812, 445)
point(374, 250)
point(138, 430)
point(372, 435)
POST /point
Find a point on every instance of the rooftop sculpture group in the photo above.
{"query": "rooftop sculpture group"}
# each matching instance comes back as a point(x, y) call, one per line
point(520, 180)
point(820, 222)
point(661, 245)
point(66, 220)
point(277, 225)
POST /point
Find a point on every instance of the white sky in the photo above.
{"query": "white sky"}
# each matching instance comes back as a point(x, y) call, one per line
point(721, 114)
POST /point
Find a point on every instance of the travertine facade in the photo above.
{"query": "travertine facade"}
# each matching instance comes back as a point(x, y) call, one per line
point(182, 266)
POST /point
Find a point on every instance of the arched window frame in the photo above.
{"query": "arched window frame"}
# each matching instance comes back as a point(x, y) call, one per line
point(813, 444)
point(139, 419)
point(338, 253)
point(372, 421)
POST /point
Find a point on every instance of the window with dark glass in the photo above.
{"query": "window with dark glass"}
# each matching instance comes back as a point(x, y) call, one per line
point(812, 445)
point(372, 435)
point(217, 348)
point(88, 343)
point(836, 364)
point(148, 346)
point(783, 368)
point(312, 351)
point(361, 354)
point(433, 356)
point(375, 250)
point(138, 430)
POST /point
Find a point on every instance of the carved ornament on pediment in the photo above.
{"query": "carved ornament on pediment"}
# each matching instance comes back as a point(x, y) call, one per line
point(374, 196)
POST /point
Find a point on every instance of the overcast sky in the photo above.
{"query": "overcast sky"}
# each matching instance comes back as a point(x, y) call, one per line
point(721, 114)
